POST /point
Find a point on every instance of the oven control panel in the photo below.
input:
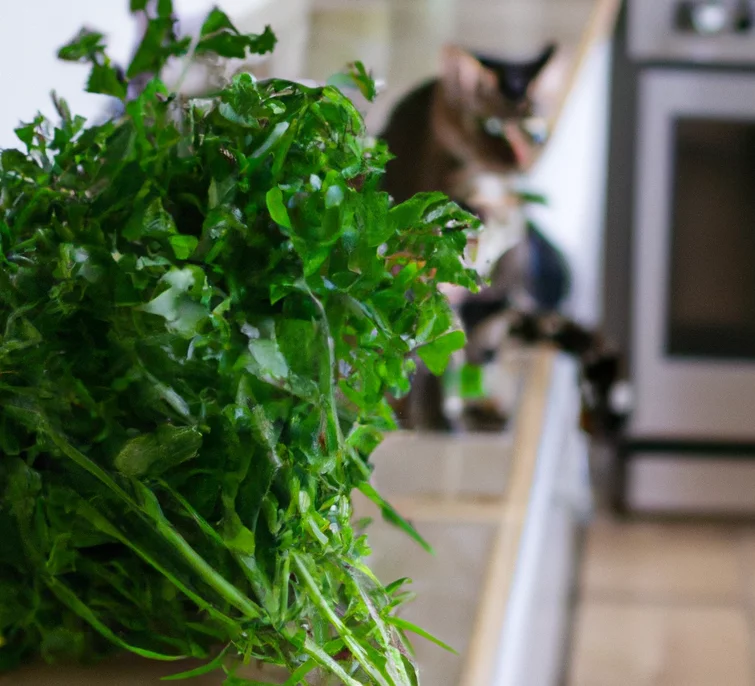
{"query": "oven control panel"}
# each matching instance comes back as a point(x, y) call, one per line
point(714, 17)
point(693, 31)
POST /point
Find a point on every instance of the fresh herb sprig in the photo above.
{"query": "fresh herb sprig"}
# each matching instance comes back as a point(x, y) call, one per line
point(202, 307)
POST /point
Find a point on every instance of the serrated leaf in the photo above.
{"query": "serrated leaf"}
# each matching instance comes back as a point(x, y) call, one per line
point(157, 45)
point(220, 36)
point(437, 353)
point(84, 46)
point(104, 79)
point(183, 246)
point(216, 20)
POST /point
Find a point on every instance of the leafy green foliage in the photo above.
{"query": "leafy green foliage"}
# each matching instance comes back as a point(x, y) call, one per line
point(532, 198)
point(220, 36)
point(437, 353)
point(89, 46)
point(471, 381)
point(202, 307)
point(355, 75)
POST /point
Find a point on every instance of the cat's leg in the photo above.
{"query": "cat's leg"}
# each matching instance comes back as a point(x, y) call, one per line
point(425, 406)
point(422, 409)
point(606, 399)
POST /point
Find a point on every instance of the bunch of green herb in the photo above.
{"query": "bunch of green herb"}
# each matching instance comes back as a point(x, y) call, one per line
point(202, 307)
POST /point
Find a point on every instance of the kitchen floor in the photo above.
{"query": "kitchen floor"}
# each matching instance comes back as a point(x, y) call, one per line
point(665, 604)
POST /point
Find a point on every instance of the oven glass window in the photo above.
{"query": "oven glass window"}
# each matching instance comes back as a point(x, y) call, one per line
point(711, 308)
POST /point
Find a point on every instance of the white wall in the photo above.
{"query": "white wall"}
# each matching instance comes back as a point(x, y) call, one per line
point(31, 31)
point(572, 174)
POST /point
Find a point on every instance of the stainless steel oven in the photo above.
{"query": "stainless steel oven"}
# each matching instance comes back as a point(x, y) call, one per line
point(680, 243)
point(693, 318)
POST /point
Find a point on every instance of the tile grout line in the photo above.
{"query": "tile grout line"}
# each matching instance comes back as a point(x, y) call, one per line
point(667, 600)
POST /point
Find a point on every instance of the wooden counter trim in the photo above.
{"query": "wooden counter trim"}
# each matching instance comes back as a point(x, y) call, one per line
point(479, 669)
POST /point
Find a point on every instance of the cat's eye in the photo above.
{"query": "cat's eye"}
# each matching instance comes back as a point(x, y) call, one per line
point(493, 126)
point(535, 127)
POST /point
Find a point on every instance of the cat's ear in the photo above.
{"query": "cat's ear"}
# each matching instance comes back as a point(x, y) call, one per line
point(515, 78)
point(464, 79)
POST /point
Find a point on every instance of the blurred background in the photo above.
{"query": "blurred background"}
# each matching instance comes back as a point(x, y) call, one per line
point(624, 558)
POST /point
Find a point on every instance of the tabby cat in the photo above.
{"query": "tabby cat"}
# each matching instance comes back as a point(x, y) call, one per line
point(453, 134)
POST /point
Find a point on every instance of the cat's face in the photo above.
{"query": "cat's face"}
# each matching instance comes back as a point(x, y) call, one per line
point(483, 114)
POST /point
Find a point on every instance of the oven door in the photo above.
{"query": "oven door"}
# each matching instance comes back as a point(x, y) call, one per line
point(693, 328)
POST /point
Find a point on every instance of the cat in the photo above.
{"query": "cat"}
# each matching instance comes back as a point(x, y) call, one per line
point(605, 400)
point(468, 133)
point(474, 123)
point(531, 276)
point(476, 118)
point(496, 323)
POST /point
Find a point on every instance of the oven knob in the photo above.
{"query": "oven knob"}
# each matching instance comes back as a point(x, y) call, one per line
point(709, 18)
point(704, 17)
